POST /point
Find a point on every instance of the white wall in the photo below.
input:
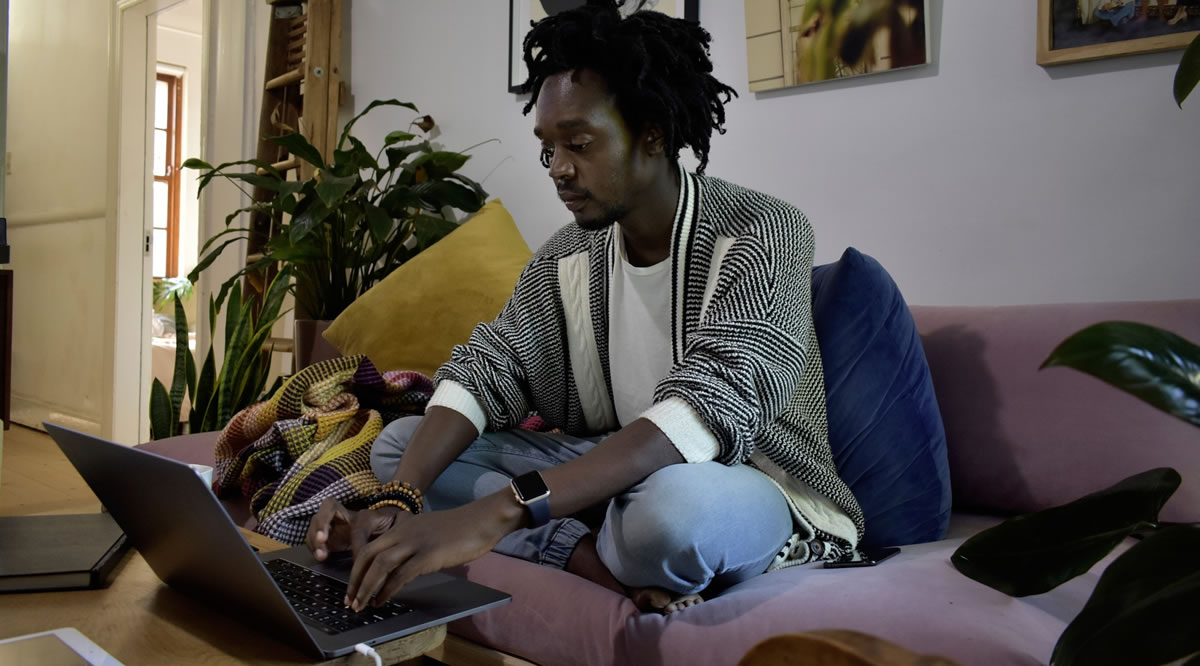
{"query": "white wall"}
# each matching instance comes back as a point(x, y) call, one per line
point(982, 179)
point(55, 201)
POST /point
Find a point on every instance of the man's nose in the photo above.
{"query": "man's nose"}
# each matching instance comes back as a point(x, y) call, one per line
point(561, 168)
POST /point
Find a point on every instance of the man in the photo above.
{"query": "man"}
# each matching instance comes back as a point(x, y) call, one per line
point(667, 332)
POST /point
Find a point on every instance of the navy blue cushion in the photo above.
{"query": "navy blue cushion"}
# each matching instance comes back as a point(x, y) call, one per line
point(884, 425)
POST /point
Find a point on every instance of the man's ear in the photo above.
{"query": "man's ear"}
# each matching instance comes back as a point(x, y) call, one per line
point(655, 140)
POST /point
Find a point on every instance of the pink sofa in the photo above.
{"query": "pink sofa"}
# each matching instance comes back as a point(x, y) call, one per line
point(1019, 440)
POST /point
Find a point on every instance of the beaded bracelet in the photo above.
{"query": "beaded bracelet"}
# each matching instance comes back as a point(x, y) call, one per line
point(401, 487)
point(400, 504)
point(398, 493)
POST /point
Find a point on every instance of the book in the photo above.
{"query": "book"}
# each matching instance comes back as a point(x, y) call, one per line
point(64, 552)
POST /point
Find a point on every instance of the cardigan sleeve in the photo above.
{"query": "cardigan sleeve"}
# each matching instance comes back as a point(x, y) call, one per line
point(746, 359)
point(495, 364)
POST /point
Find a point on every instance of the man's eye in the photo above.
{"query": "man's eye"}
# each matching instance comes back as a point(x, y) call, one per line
point(577, 147)
point(547, 155)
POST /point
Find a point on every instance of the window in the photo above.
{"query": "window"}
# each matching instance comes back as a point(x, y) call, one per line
point(168, 113)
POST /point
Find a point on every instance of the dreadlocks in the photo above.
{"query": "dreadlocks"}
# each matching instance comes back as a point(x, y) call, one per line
point(657, 68)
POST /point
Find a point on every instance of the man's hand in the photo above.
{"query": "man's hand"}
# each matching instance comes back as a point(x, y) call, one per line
point(335, 528)
point(427, 543)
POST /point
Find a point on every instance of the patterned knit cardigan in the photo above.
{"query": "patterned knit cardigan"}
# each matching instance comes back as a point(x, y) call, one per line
point(746, 383)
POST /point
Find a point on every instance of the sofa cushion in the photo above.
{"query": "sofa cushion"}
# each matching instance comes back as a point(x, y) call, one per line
point(916, 600)
point(884, 425)
point(414, 317)
point(1022, 439)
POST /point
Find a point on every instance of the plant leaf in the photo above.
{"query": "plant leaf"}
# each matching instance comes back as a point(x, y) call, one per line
point(194, 163)
point(348, 162)
point(440, 163)
point(1143, 610)
point(398, 137)
point(1037, 552)
point(1154, 365)
point(332, 188)
point(379, 224)
point(299, 146)
point(304, 222)
point(429, 229)
point(160, 411)
point(203, 395)
point(236, 341)
point(439, 193)
point(209, 258)
point(233, 314)
point(182, 351)
point(1188, 73)
point(372, 105)
point(397, 154)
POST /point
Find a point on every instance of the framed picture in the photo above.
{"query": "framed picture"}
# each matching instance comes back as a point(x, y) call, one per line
point(1079, 30)
point(796, 42)
point(523, 12)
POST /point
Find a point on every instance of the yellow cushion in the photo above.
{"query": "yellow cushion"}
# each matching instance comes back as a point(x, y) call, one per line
point(414, 317)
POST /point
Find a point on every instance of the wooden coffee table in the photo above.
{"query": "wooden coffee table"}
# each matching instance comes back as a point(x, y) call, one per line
point(139, 620)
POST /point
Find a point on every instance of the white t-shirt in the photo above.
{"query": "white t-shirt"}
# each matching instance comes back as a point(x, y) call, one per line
point(639, 334)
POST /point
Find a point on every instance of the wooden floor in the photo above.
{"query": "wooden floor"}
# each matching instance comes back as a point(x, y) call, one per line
point(35, 477)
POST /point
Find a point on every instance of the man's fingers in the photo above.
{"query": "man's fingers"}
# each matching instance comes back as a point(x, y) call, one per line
point(400, 577)
point(372, 565)
point(377, 574)
point(318, 528)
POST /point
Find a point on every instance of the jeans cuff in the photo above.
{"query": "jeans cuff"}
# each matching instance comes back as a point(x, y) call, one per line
point(566, 536)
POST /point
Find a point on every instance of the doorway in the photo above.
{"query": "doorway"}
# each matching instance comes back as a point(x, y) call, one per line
point(228, 36)
point(175, 214)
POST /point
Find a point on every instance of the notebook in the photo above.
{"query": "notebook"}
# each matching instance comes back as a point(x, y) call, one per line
point(172, 517)
point(58, 552)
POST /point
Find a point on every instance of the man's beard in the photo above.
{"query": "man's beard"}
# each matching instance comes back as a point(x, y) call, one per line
point(606, 219)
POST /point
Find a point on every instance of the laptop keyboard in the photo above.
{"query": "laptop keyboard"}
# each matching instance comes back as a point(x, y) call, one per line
point(321, 598)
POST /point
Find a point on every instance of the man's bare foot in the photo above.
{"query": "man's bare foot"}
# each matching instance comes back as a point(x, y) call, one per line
point(585, 562)
point(658, 600)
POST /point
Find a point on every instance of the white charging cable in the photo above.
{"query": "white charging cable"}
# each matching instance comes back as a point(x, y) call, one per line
point(364, 649)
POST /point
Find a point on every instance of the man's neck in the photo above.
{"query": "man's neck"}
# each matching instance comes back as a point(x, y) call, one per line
point(647, 230)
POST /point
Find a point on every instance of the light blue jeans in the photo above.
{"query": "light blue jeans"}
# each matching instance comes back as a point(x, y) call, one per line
point(686, 526)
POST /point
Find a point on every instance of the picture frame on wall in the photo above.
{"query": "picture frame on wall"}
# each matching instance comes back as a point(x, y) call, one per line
point(1082, 30)
point(523, 12)
point(797, 42)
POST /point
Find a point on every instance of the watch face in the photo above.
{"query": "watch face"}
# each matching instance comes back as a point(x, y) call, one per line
point(530, 486)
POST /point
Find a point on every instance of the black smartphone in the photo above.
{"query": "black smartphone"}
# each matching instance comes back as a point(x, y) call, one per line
point(863, 557)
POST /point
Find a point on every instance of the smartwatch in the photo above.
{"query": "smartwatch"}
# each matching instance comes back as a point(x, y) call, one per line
point(530, 489)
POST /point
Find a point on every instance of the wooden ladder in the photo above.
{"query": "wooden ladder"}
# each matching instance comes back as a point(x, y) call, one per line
point(301, 93)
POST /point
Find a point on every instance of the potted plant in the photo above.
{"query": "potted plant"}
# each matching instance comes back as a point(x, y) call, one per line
point(355, 220)
point(1143, 609)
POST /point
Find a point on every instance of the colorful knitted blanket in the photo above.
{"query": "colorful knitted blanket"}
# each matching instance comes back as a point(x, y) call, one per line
point(312, 440)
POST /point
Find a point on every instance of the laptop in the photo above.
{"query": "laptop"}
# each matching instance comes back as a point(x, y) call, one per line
point(172, 517)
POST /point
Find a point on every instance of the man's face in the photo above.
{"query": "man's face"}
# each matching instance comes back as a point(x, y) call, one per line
point(590, 153)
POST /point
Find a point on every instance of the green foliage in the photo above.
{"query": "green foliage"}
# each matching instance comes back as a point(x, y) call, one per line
point(165, 406)
point(165, 289)
point(1188, 73)
point(355, 220)
point(1038, 552)
point(217, 396)
point(1154, 365)
point(1144, 608)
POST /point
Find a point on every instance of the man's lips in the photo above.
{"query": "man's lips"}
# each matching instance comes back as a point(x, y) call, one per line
point(573, 201)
